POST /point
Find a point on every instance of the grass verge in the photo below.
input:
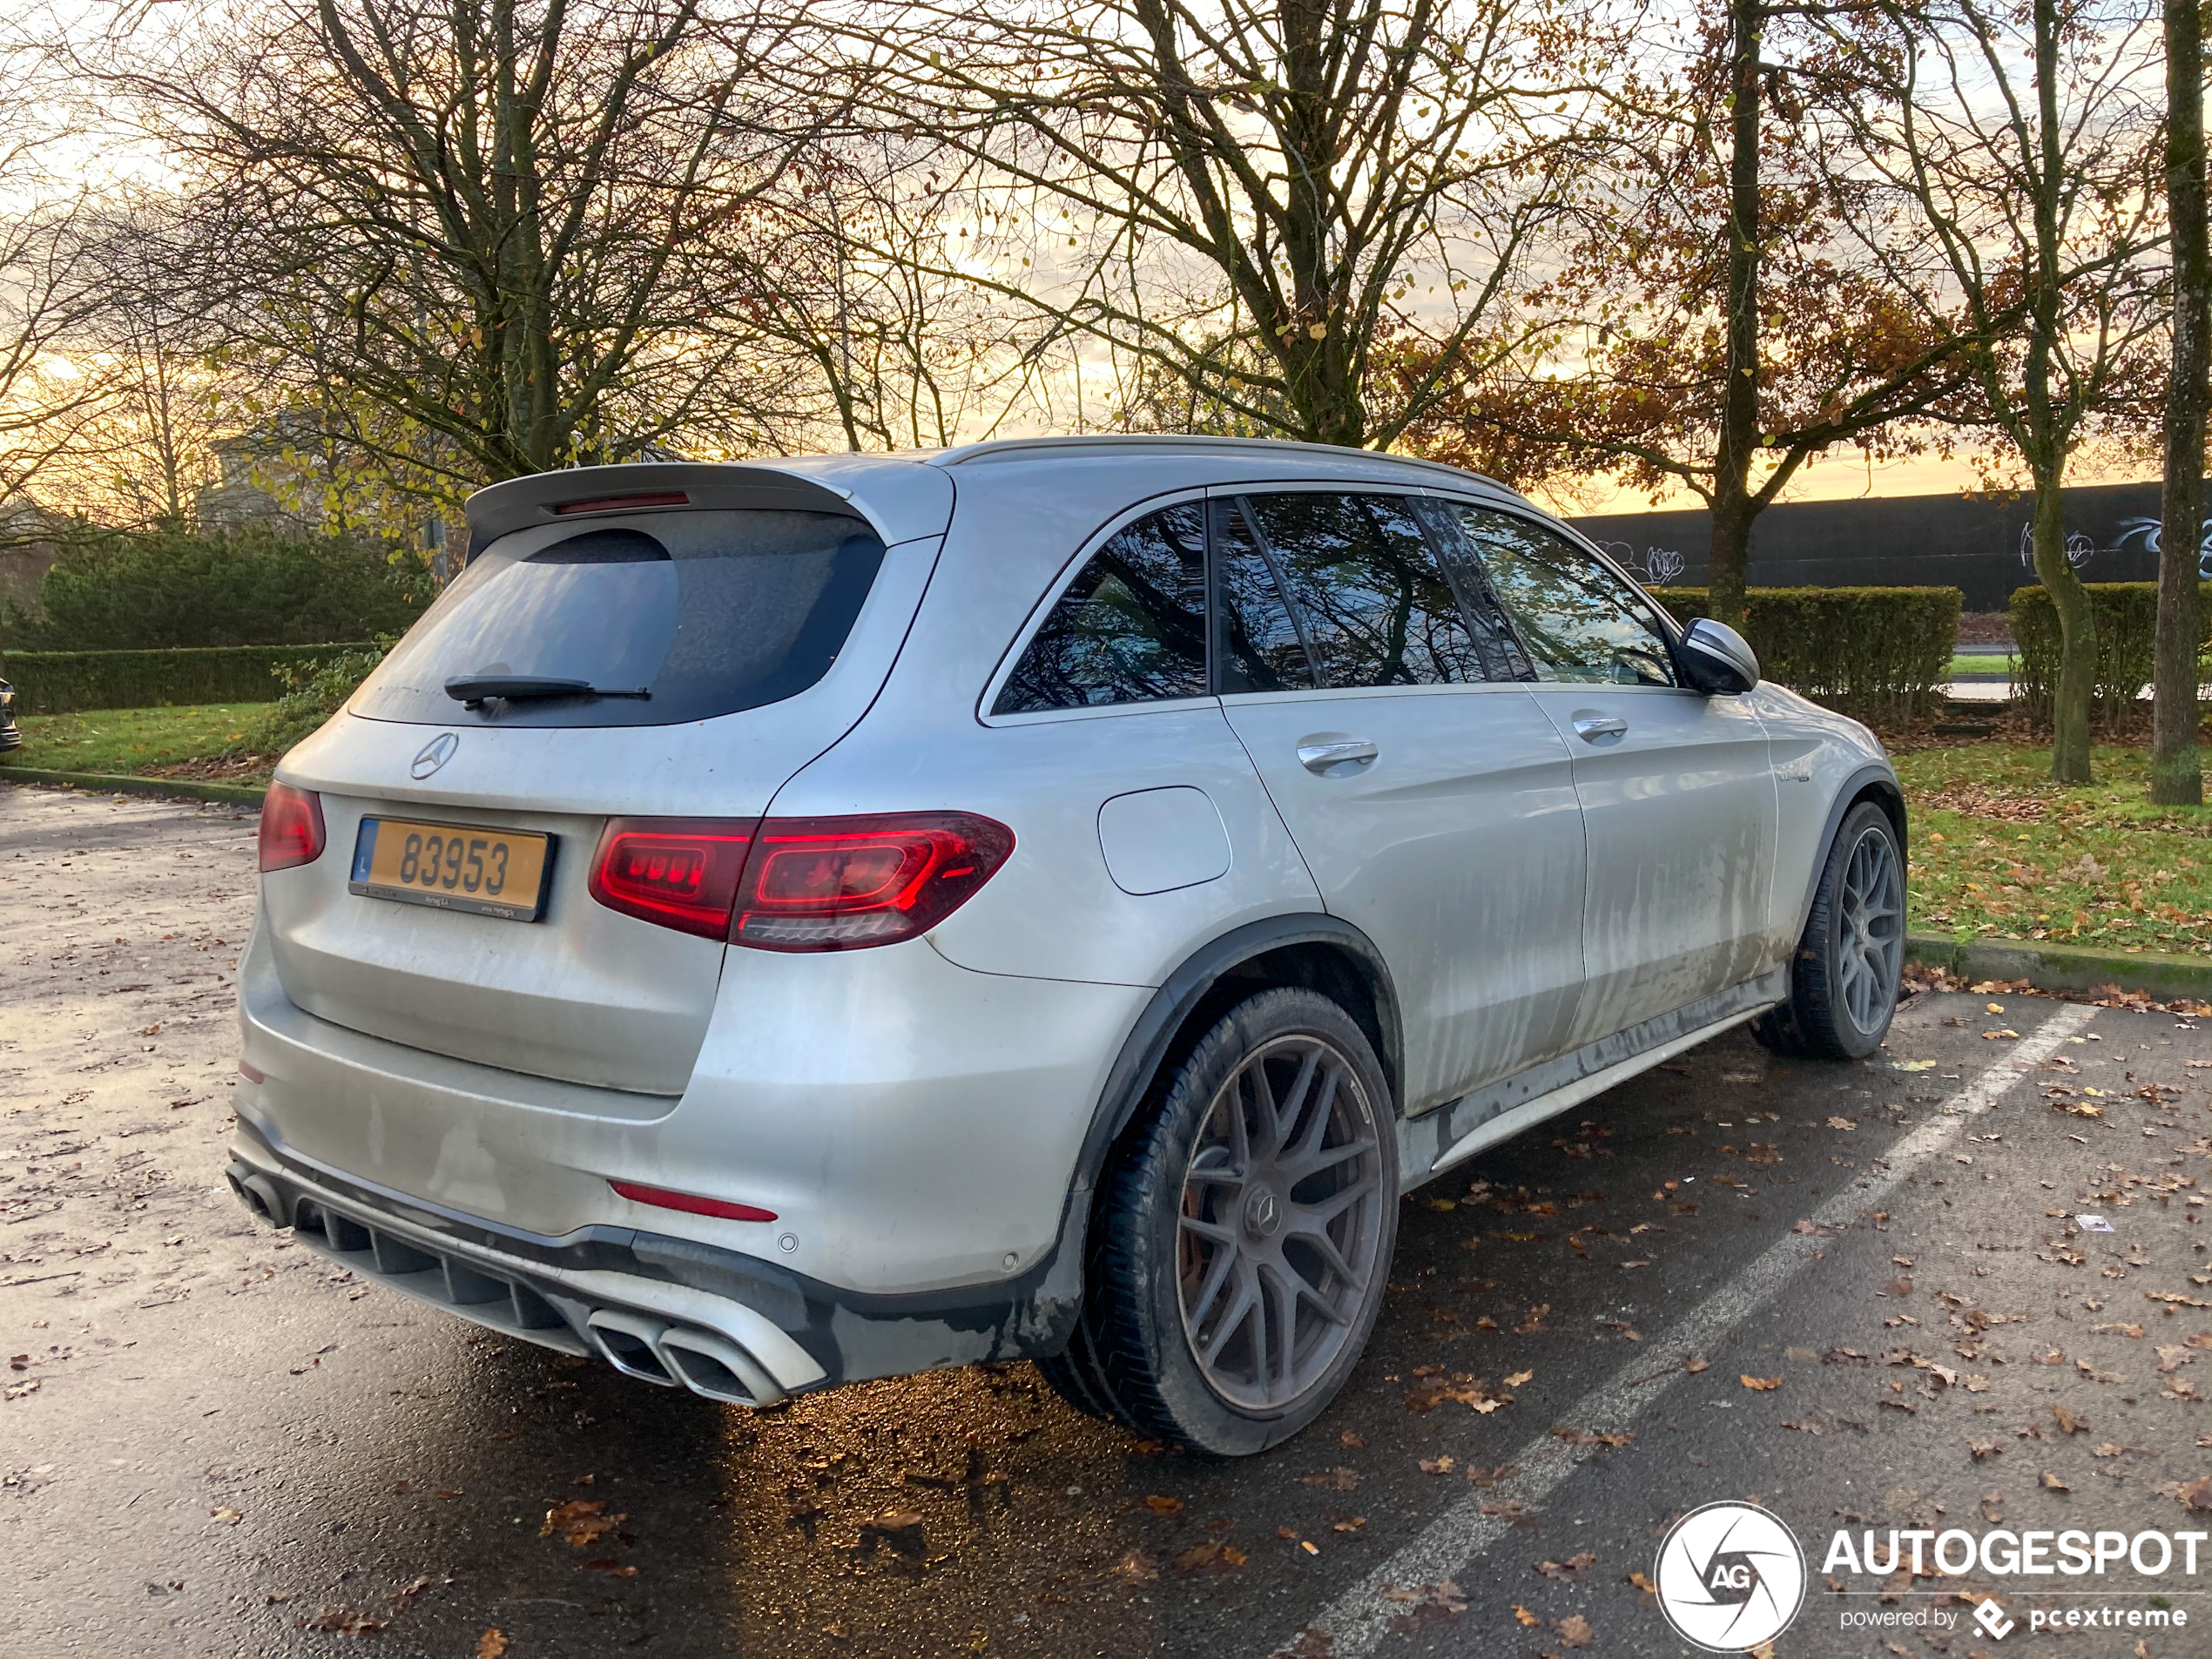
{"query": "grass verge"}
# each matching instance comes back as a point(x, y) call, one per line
point(1999, 851)
point(191, 742)
point(1979, 663)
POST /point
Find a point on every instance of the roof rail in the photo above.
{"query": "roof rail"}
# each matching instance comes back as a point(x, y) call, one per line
point(994, 448)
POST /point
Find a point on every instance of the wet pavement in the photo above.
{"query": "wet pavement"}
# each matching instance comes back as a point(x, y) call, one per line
point(213, 1442)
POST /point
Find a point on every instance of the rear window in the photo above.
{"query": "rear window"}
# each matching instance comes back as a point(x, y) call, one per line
point(708, 613)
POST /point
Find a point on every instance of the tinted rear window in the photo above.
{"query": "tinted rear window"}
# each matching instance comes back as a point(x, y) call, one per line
point(710, 612)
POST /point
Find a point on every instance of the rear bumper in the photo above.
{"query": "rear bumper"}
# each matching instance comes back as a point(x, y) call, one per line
point(665, 1309)
point(914, 1126)
point(911, 1125)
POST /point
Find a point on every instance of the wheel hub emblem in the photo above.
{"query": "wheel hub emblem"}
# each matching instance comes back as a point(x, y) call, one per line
point(434, 754)
point(1263, 1215)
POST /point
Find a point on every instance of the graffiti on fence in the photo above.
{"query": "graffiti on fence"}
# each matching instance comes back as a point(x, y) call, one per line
point(1658, 566)
point(2149, 532)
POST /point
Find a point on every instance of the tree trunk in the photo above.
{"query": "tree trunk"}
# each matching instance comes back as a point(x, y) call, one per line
point(2176, 777)
point(1731, 551)
point(2077, 636)
point(1739, 435)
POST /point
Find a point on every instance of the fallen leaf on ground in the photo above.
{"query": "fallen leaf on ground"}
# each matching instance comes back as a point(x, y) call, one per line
point(1437, 1464)
point(1763, 1385)
point(1518, 1378)
point(581, 1522)
point(1160, 1506)
point(1437, 1604)
point(2067, 1422)
point(1574, 1631)
point(1335, 1479)
point(1568, 1568)
point(1524, 1615)
point(1212, 1556)
point(344, 1622)
point(492, 1644)
point(608, 1564)
point(227, 1516)
point(1693, 1366)
point(1585, 1437)
point(2054, 1483)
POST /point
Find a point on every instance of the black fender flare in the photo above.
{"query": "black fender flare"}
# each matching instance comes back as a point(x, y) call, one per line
point(1145, 1049)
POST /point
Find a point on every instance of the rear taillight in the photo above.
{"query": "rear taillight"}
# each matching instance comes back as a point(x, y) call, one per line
point(844, 883)
point(681, 873)
point(798, 883)
point(291, 827)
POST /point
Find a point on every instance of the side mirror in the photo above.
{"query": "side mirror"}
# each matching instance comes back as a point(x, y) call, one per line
point(1716, 659)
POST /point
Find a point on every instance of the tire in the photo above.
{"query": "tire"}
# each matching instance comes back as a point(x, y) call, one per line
point(1269, 1167)
point(1844, 977)
point(1074, 1374)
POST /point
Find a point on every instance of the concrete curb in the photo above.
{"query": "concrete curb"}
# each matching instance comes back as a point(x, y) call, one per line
point(103, 783)
point(2066, 968)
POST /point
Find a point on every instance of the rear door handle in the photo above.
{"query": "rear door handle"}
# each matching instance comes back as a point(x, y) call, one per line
point(1319, 757)
point(1592, 727)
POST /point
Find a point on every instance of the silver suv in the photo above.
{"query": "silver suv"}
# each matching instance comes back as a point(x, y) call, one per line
point(778, 924)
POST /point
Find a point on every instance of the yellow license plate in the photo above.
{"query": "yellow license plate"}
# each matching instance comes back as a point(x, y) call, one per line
point(453, 866)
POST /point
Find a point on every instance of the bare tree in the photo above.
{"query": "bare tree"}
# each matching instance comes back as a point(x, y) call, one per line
point(47, 401)
point(526, 232)
point(2176, 777)
point(1725, 333)
point(2008, 159)
point(1275, 202)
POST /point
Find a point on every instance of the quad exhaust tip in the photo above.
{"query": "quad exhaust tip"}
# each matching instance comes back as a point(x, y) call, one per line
point(637, 1344)
point(672, 1356)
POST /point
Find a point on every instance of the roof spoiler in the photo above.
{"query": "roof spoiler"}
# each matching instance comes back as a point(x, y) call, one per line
point(582, 493)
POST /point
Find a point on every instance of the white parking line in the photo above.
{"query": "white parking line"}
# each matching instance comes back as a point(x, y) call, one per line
point(1357, 1619)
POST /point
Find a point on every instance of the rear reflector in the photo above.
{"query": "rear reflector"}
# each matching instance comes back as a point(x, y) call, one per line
point(690, 1203)
point(622, 504)
point(846, 883)
point(250, 1073)
point(291, 827)
point(680, 873)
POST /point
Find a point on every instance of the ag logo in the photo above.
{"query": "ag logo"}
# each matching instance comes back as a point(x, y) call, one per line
point(434, 754)
point(1730, 1577)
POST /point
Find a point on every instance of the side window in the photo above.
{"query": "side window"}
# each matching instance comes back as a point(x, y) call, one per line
point(1259, 648)
point(1375, 605)
point(1130, 629)
point(1579, 621)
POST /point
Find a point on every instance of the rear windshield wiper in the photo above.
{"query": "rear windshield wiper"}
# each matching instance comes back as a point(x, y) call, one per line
point(471, 690)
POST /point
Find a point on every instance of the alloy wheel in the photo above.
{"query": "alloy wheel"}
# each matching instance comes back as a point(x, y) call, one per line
point(1279, 1234)
point(1871, 949)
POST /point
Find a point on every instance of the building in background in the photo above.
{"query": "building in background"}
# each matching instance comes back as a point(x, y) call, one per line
point(1977, 544)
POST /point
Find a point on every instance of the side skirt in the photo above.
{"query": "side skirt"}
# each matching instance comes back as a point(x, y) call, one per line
point(1433, 1142)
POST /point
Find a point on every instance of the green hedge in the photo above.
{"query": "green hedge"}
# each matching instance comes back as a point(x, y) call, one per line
point(64, 682)
point(2127, 619)
point(1877, 654)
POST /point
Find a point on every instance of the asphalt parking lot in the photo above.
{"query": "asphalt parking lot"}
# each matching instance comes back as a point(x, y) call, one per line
point(1855, 1292)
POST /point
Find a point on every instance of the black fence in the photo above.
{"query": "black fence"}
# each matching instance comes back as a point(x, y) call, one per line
point(1978, 546)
